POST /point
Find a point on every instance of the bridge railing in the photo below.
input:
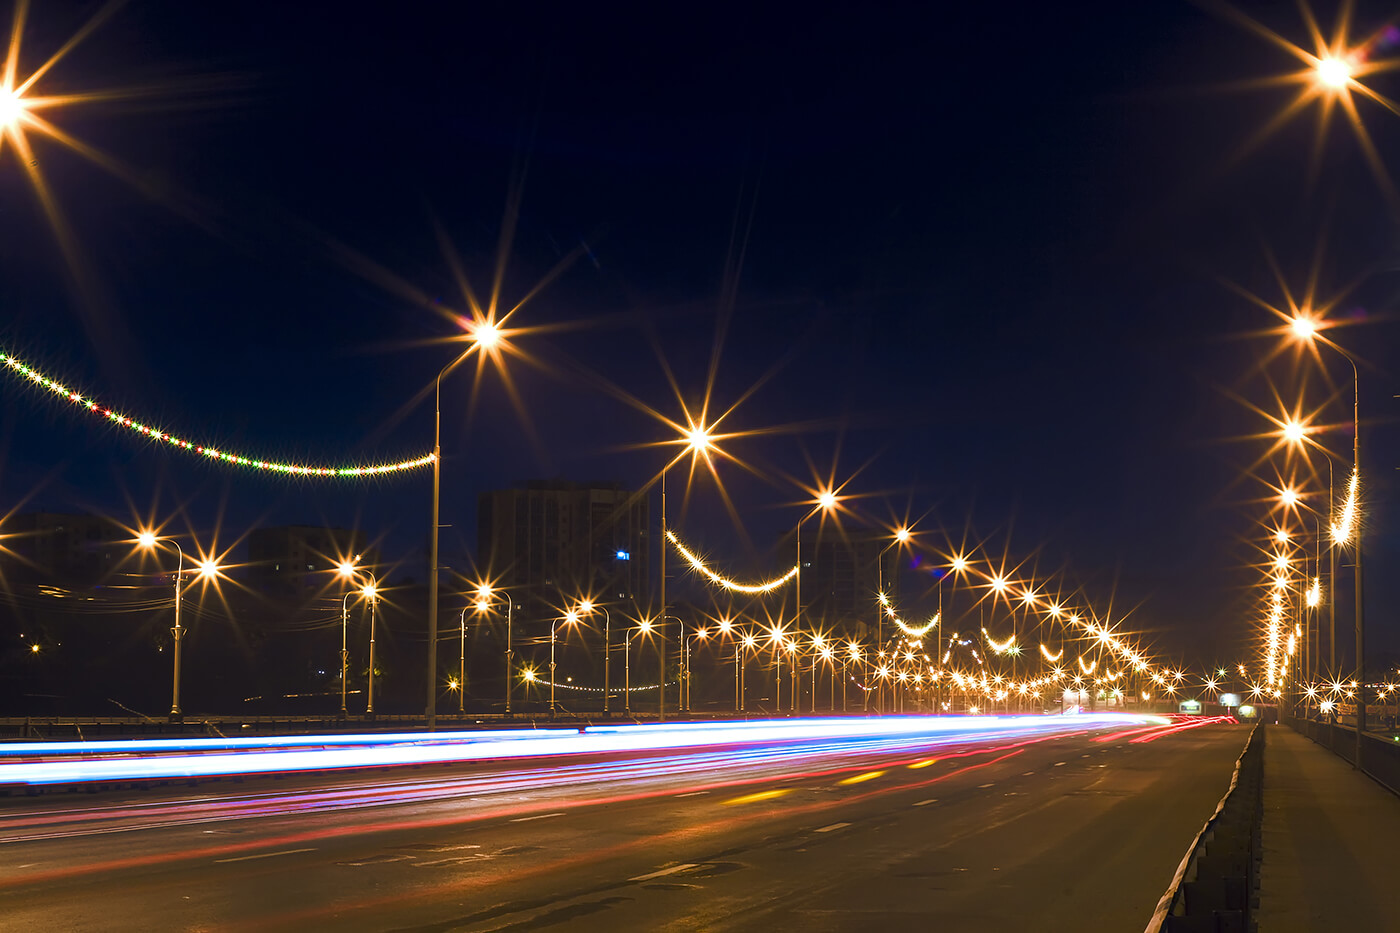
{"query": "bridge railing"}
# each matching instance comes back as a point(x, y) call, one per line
point(1215, 887)
point(1380, 755)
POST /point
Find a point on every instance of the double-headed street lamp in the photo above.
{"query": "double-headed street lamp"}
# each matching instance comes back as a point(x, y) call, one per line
point(208, 570)
point(484, 592)
point(370, 591)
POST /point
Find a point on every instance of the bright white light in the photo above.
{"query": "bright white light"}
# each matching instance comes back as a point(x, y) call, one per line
point(11, 109)
point(486, 335)
point(1334, 72)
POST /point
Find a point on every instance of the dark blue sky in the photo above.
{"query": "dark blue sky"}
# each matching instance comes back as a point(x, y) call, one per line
point(981, 248)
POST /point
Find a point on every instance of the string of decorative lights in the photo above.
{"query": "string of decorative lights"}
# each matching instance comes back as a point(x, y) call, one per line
point(749, 588)
point(212, 453)
point(918, 631)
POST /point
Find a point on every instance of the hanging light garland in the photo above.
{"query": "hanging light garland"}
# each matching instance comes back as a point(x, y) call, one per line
point(751, 588)
point(156, 434)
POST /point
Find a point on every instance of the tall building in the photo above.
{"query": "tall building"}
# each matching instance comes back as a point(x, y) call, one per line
point(549, 540)
point(842, 578)
point(292, 563)
point(61, 549)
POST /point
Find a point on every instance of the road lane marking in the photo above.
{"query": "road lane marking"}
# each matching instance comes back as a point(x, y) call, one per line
point(861, 778)
point(249, 858)
point(924, 803)
point(923, 764)
point(1058, 763)
point(761, 795)
point(985, 786)
point(663, 872)
point(694, 793)
point(538, 816)
point(1027, 773)
point(833, 826)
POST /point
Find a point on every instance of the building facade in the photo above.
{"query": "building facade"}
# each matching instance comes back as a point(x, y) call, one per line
point(550, 541)
point(294, 563)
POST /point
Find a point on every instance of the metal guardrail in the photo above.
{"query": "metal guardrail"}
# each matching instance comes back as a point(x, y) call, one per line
point(1380, 755)
point(1215, 888)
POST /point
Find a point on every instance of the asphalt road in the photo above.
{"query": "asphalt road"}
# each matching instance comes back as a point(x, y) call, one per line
point(1066, 832)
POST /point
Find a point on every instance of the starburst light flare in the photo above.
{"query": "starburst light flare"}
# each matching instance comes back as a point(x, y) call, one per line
point(157, 434)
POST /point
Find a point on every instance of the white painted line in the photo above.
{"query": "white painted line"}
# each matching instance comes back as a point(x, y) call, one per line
point(663, 872)
point(827, 829)
point(924, 803)
point(694, 793)
point(537, 816)
point(1059, 764)
point(249, 858)
point(1027, 773)
point(985, 786)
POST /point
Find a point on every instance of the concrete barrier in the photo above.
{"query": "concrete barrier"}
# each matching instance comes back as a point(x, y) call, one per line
point(1215, 888)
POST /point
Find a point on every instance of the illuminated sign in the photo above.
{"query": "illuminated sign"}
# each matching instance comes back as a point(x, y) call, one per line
point(1190, 706)
point(1229, 699)
point(623, 555)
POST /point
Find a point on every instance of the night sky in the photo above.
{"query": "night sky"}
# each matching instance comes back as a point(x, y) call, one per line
point(979, 251)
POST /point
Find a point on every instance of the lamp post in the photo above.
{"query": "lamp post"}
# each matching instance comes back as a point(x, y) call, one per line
point(643, 627)
point(344, 650)
point(484, 335)
point(776, 637)
point(586, 608)
point(570, 618)
point(462, 664)
point(750, 642)
point(349, 570)
point(484, 592)
point(1306, 328)
point(207, 569)
point(148, 541)
point(701, 635)
point(371, 593)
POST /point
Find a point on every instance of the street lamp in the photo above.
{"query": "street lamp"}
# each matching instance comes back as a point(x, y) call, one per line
point(484, 592)
point(207, 570)
point(901, 536)
point(698, 440)
point(587, 607)
point(700, 634)
point(643, 627)
point(484, 335)
point(1306, 329)
point(370, 591)
point(826, 501)
point(570, 618)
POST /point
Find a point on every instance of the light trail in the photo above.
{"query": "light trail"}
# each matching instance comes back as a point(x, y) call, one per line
point(107, 765)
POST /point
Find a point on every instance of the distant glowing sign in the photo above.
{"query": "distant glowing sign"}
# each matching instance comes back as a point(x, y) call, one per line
point(1229, 699)
point(623, 555)
point(1247, 711)
point(1190, 706)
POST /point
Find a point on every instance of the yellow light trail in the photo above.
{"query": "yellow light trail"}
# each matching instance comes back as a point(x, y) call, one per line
point(760, 796)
